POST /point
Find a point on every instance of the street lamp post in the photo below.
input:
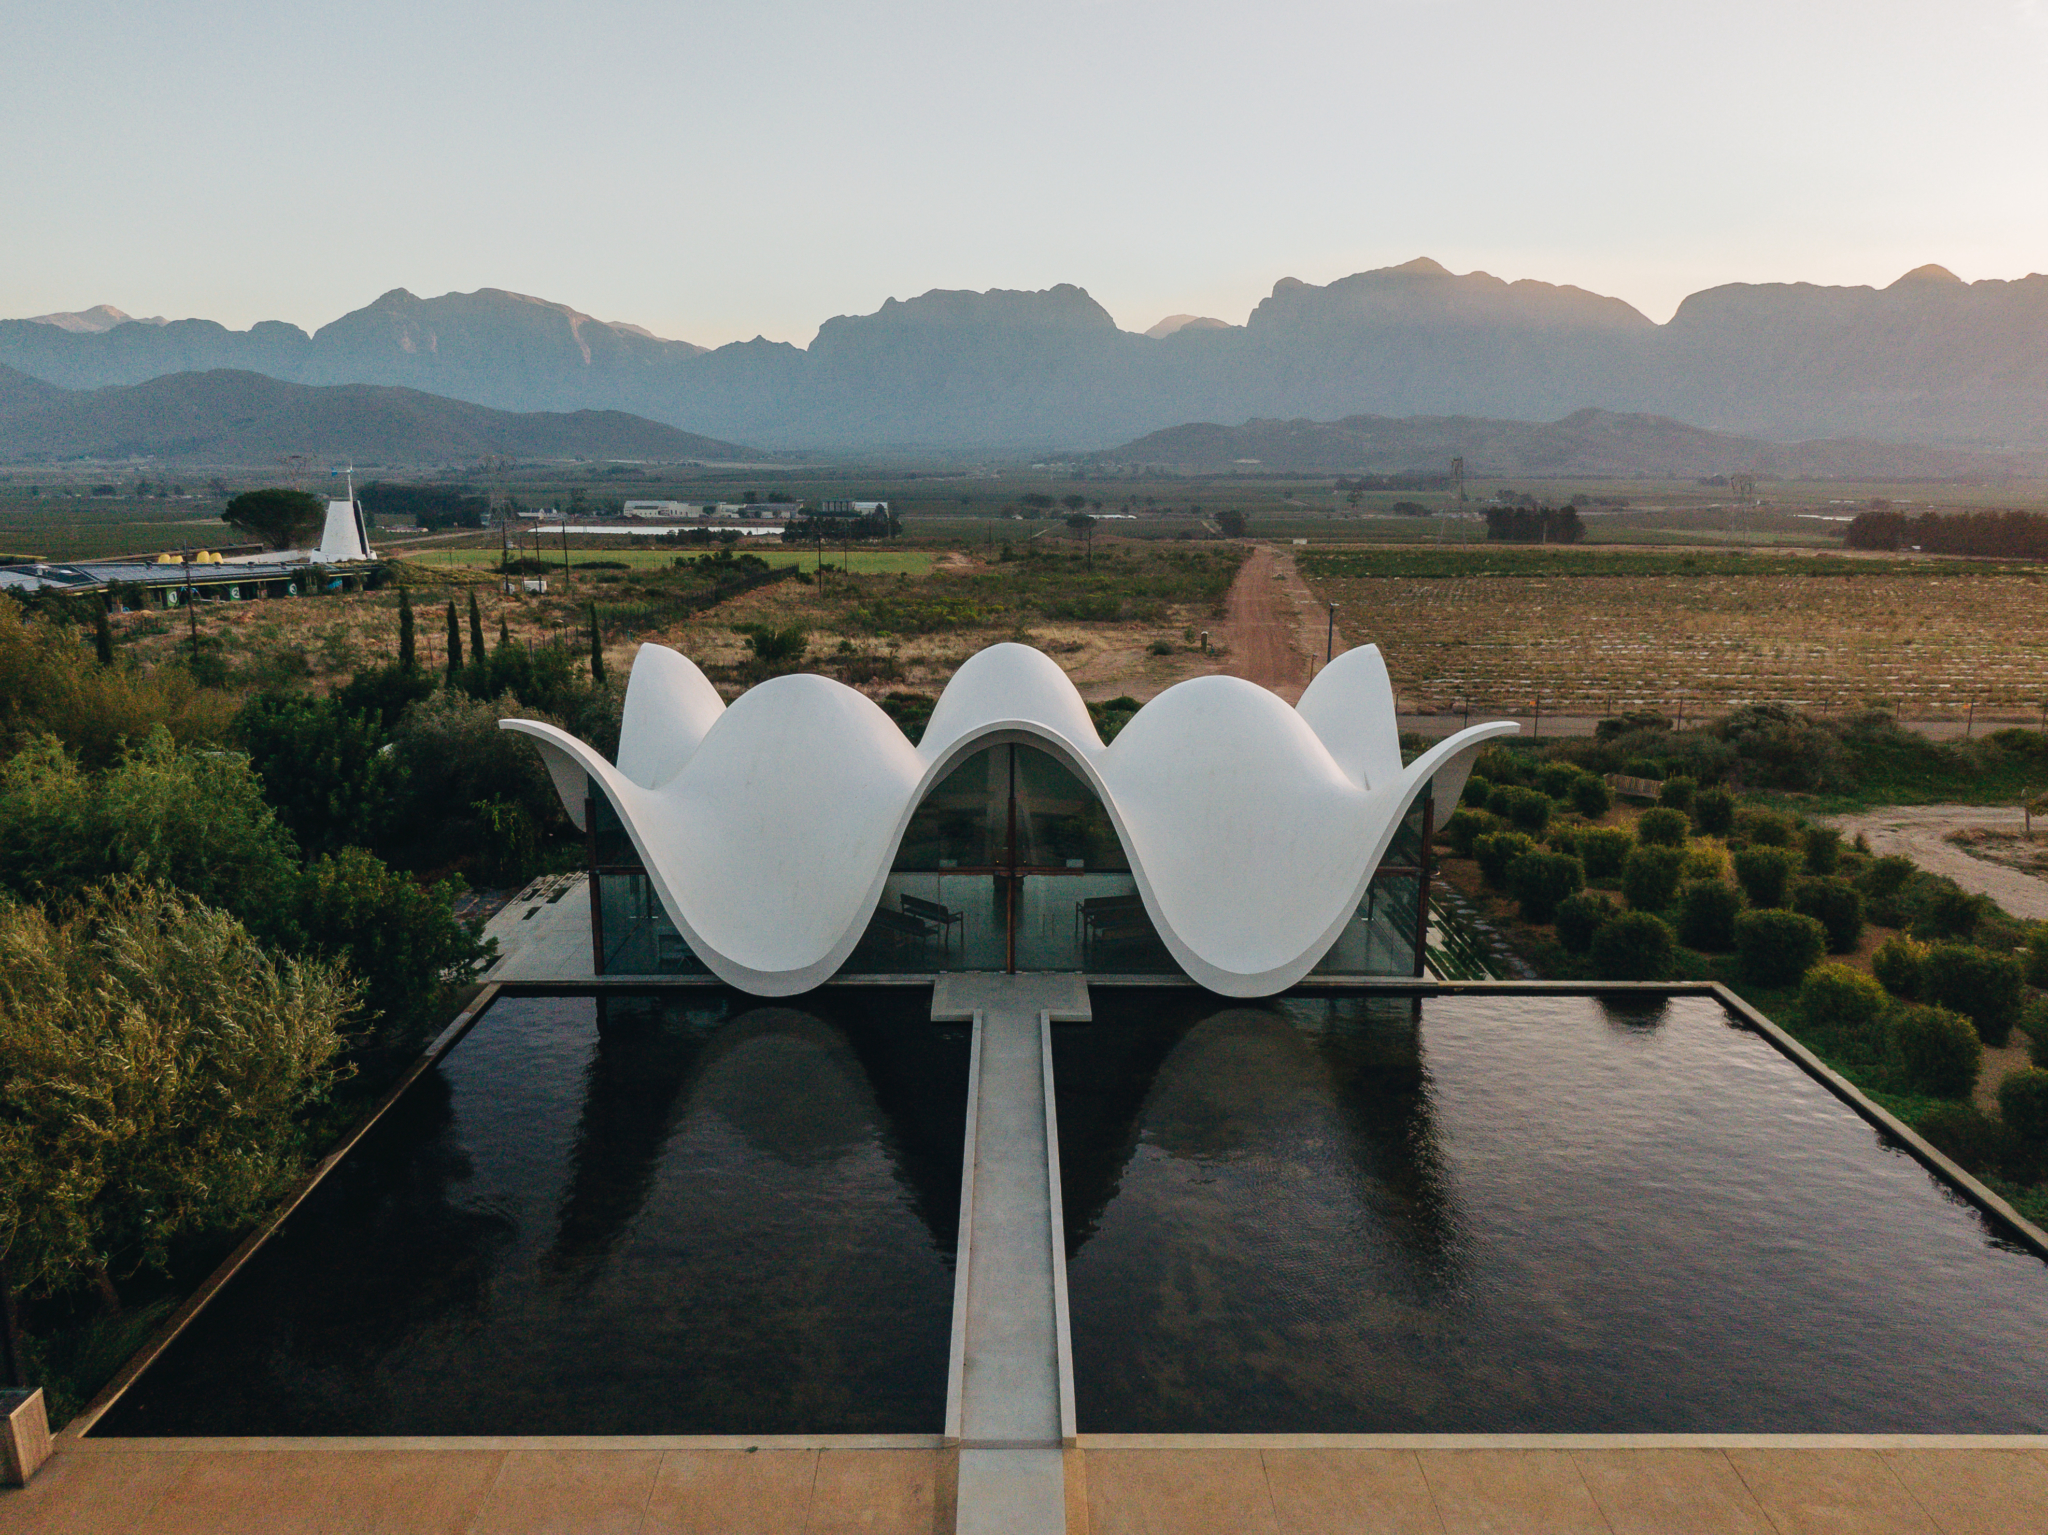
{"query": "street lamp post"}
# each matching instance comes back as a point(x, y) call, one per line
point(1330, 642)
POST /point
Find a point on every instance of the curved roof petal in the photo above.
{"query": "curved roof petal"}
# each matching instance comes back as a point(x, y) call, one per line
point(768, 828)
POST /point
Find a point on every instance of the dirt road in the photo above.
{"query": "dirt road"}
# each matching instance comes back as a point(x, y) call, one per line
point(1920, 832)
point(1273, 624)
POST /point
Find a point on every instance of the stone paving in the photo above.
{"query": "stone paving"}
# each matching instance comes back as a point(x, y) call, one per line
point(131, 1488)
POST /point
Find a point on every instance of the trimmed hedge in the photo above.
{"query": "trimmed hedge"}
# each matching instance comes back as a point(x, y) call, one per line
point(1900, 966)
point(1540, 880)
point(1650, 877)
point(1822, 846)
point(1765, 872)
point(1713, 812)
point(1938, 1050)
point(1604, 850)
point(1591, 797)
point(1662, 827)
point(1528, 809)
point(1580, 917)
point(1677, 793)
point(1465, 827)
point(2023, 1100)
point(1885, 884)
point(1635, 946)
point(1837, 997)
point(1778, 947)
point(1707, 909)
point(1989, 989)
point(1556, 778)
point(1766, 828)
point(1836, 906)
point(1494, 853)
point(1476, 792)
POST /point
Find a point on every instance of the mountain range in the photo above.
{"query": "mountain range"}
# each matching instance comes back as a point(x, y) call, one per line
point(1588, 443)
point(228, 416)
point(1928, 359)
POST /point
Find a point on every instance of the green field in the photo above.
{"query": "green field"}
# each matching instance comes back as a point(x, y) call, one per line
point(586, 553)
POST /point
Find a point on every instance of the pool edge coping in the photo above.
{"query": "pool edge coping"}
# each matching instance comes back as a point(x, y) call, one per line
point(87, 1418)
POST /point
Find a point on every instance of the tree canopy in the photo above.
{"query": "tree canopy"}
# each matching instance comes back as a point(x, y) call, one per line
point(281, 518)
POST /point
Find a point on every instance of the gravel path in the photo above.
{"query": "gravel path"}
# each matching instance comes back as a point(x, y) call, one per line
point(1919, 831)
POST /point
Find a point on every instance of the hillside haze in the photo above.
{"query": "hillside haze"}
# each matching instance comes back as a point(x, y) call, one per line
point(1928, 358)
point(230, 416)
point(1588, 443)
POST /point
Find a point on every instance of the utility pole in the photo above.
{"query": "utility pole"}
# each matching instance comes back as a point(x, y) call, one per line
point(191, 609)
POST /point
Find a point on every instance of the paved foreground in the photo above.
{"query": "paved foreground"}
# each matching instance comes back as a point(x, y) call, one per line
point(137, 1488)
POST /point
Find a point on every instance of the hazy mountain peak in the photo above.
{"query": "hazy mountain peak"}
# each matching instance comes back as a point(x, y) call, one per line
point(1175, 323)
point(96, 320)
point(1422, 266)
point(1930, 273)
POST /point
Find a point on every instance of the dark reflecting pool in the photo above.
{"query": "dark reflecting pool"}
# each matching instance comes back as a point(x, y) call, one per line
point(628, 1215)
point(1512, 1214)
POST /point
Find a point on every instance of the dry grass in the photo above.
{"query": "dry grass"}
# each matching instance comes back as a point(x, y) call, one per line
point(1598, 645)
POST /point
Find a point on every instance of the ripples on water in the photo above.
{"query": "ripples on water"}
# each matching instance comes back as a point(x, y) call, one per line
point(703, 1216)
point(1512, 1214)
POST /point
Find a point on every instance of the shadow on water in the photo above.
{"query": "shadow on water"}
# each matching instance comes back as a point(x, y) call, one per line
point(1494, 1214)
point(613, 1215)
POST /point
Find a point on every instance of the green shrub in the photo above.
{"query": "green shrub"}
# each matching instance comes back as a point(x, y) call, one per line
point(1581, 916)
point(1650, 877)
point(1966, 1135)
point(1477, 791)
point(1837, 997)
point(1707, 909)
point(1494, 853)
point(1541, 880)
point(1766, 828)
point(1713, 812)
point(1778, 947)
point(1988, 989)
point(1662, 827)
point(1765, 872)
point(1634, 946)
point(1947, 910)
point(1528, 809)
point(1563, 839)
point(1822, 846)
point(1706, 860)
point(2023, 1101)
point(1836, 906)
point(1556, 778)
point(1899, 965)
point(157, 1062)
point(2037, 956)
point(2034, 1019)
point(1604, 849)
point(1466, 827)
point(1643, 767)
point(1677, 793)
point(1590, 796)
point(1938, 1051)
point(1885, 884)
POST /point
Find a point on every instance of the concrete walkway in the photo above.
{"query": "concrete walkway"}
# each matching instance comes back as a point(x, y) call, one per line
point(1174, 1487)
point(1010, 1400)
point(543, 932)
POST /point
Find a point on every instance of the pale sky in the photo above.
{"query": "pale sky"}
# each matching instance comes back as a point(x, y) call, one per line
point(716, 171)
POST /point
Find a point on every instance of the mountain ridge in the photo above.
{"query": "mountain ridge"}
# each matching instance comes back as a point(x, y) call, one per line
point(1926, 358)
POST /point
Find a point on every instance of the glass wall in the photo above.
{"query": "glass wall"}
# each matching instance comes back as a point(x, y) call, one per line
point(1011, 863)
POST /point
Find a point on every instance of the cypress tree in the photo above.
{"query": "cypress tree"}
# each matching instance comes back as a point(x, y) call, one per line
point(596, 649)
point(102, 635)
point(504, 634)
point(406, 657)
point(476, 629)
point(454, 643)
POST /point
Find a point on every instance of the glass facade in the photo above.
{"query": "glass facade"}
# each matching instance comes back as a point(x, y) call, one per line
point(1010, 863)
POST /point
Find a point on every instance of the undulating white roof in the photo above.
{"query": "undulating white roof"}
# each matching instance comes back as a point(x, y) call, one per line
point(768, 827)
